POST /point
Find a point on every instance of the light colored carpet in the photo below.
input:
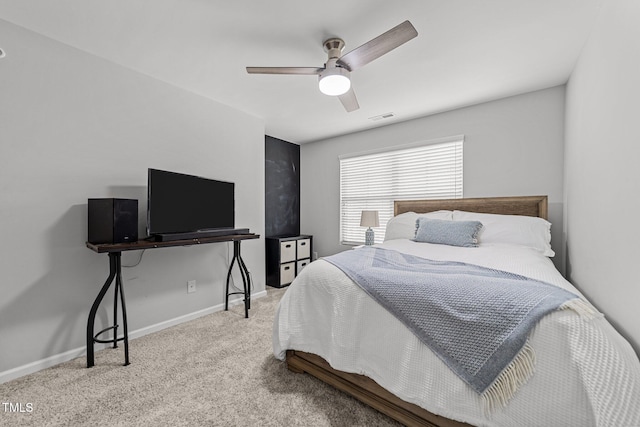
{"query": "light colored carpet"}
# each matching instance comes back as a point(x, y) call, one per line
point(216, 370)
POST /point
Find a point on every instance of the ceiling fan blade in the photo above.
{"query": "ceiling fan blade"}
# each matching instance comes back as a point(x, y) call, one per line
point(284, 70)
point(377, 47)
point(349, 101)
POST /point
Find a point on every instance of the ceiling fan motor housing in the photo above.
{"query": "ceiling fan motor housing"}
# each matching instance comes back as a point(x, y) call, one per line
point(334, 79)
point(334, 47)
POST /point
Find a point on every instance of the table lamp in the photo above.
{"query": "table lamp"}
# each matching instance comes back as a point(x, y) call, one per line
point(369, 219)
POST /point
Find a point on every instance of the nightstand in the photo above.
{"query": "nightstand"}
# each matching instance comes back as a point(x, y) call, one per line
point(286, 257)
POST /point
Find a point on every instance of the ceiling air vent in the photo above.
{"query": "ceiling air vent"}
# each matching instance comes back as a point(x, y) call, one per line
point(381, 117)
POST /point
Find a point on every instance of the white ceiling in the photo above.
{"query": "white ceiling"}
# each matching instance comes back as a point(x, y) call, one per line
point(466, 52)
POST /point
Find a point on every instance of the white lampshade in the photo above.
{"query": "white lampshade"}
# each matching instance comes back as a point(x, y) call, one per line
point(369, 219)
point(334, 81)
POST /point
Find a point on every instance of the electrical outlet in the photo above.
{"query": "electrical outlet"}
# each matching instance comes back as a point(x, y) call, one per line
point(191, 286)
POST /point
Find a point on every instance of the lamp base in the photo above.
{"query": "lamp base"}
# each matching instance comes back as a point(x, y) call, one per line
point(369, 237)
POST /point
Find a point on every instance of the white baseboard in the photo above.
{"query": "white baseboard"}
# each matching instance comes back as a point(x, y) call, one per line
point(56, 359)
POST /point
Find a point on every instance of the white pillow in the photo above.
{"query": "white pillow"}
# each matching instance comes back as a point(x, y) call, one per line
point(403, 226)
point(528, 231)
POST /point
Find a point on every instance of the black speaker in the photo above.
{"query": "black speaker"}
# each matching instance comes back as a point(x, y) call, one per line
point(113, 220)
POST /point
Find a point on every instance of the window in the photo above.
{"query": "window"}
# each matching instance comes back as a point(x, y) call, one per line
point(372, 181)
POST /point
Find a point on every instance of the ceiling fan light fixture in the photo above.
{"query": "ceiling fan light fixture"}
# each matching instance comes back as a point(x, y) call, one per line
point(334, 81)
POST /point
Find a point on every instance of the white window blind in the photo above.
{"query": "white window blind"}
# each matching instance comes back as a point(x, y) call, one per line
point(372, 181)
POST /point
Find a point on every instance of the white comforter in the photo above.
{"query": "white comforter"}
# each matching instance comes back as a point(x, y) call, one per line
point(586, 373)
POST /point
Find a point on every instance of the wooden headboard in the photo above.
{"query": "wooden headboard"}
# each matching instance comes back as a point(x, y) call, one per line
point(518, 205)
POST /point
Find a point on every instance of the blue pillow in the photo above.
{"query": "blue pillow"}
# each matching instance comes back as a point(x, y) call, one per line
point(443, 232)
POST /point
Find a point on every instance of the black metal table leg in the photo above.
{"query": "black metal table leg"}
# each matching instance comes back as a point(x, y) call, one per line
point(125, 338)
point(226, 298)
point(115, 306)
point(115, 272)
point(246, 280)
point(247, 284)
point(94, 308)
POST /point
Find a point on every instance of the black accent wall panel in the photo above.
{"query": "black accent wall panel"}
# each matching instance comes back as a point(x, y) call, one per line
point(282, 188)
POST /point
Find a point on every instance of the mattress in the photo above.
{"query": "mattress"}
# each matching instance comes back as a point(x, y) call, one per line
point(586, 373)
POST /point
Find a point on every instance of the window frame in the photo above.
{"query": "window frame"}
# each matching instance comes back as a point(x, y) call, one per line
point(384, 204)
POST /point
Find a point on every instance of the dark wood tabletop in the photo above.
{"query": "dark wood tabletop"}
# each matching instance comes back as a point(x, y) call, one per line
point(148, 244)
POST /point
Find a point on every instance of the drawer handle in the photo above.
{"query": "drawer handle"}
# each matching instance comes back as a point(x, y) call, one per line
point(286, 268)
point(287, 246)
point(303, 243)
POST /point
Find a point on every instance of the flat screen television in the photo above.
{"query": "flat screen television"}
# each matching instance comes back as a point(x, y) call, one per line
point(180, 203)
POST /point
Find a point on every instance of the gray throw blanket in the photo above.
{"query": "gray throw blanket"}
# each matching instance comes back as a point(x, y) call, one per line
point(475, 319)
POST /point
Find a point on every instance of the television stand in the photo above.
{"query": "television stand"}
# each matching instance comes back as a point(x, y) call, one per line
point(169, 237)
point(115, 274)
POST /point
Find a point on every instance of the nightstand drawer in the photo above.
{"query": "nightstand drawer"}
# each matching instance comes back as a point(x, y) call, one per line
point(287, 273)
point(304, 248)
point(287, 251)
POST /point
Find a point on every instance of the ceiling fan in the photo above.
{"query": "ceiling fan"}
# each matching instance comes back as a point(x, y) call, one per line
point(333, 78)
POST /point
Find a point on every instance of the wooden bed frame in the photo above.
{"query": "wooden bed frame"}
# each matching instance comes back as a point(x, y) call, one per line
point(522, 205)
point(365, 389)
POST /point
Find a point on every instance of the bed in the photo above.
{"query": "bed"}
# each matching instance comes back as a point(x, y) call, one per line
point(585, 373)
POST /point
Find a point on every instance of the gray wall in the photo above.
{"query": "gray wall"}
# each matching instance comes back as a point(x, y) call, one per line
point(72, 127)
point(513, 146)
point(602, 181)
